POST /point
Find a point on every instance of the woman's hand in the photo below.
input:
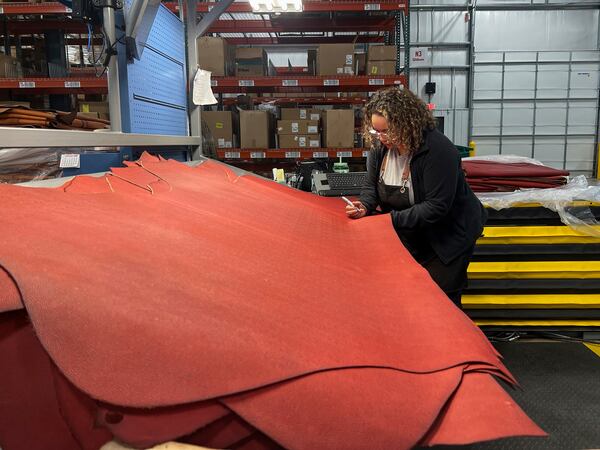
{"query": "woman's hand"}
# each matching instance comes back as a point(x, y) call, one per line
point(357, 211)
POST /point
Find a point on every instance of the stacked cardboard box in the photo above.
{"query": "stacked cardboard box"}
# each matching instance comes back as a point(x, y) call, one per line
point(338, 128)
point(335, 59)
point(250, 61)
point(381, 60)
point(97, 109)
point(254, 129)
point(214, 55)
point(300, 113)
point(299, 128)
point(220, 126)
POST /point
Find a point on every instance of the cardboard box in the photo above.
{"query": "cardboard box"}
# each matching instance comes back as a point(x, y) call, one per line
point(360, 63)
point(10, 67)
point(214, 55)
point(300, 141)
point(300, 113)
point(338, 128)
point(99, 107)
point(382, 53)
point(250, 61)
point(220, 125)
point(297, 126)
point(254, 129)
point(381, 68)
point(336, 59)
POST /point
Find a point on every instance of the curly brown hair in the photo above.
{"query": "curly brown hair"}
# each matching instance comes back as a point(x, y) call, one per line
point(406, 114)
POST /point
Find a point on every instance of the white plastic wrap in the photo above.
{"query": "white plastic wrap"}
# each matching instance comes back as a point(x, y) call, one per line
point(558, 199)
point(505, 159)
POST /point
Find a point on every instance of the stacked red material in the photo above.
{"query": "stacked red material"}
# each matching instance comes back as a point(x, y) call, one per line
point(24, 117)
point(169, 302)
point(492, 176)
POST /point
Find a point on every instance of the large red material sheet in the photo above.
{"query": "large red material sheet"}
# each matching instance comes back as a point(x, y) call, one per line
point(493, 176)
point(483, 169)
point(194, 285)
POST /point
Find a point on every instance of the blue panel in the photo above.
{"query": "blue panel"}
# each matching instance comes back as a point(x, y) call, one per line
point(148, 118)
point(92, 162)
point(155, 86)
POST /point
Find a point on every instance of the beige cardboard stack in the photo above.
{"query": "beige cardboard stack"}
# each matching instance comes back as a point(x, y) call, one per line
point(299, 128)
point(335, 59)
point(338, 128)
point(250, 61)
point(99, 110)
point(214, 55)
point(220, 125)
point(254, 129)
point(381, 60)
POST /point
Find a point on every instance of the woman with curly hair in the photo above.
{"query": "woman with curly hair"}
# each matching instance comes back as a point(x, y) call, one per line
point(414, 173)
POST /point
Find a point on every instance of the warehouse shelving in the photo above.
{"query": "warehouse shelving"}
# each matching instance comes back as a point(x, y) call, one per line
point(336, 83)
point(71, 85)
point(232, 154)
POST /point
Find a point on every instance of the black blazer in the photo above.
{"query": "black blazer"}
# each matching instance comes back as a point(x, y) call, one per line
point(445, 208)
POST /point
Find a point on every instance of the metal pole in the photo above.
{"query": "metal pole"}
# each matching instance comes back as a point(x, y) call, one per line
point(114, 93)
point(471, 75)
point(192, 67)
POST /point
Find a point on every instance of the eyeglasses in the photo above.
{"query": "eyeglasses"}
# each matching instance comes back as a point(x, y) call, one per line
point(378, 134)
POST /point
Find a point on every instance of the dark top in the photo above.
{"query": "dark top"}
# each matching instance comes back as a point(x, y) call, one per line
point(446, 209)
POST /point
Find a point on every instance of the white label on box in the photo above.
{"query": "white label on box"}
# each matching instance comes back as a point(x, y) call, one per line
point(303, 114)
point(302, 141)
point(372, 6)
point(365, 153)
point(257, 155)
point(221, 142)
point(344, 154)
point(289, 82)
point(232, 155)
point(313, 129)
point(26, 84)
point(247, 83)
point(214, 83)
point(228, 144)
point(72, 84)
point(376, 82)
point(320, 154)
point(340, 70)
point(294, 127)
point(315, 117)
point(314, 143)
point(292, 154)
point(69, 161)
point(331, 82)
point(348, 70)
point(1, 10)
point(349, 59)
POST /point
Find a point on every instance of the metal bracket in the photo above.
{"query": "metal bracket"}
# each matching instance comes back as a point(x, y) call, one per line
point(139, 18)
point(211, 16)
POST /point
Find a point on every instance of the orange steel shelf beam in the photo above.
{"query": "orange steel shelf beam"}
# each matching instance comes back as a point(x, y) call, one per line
point(290, 153)
point(74, 85)
point(321, 83)
point(311, 6)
